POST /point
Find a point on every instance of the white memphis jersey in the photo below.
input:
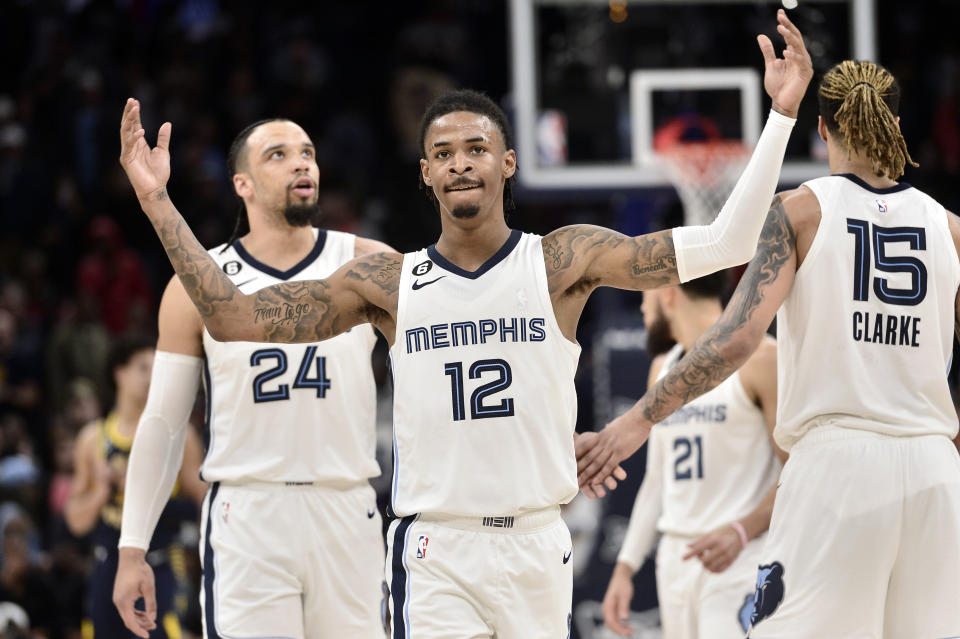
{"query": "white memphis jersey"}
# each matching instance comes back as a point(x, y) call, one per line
point(717, 460)
point(866, 332)
point(290, 412)
point(484, 400)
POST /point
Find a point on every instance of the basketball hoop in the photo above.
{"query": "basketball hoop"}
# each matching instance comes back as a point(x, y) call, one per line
point(703, 171)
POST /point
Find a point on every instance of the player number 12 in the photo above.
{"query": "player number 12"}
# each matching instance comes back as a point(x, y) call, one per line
point(478, 408)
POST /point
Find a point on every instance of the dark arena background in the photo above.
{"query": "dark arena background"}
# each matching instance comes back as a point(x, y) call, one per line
point(80, 265)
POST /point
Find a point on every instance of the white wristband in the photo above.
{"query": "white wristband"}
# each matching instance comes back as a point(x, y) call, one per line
point(732, 237)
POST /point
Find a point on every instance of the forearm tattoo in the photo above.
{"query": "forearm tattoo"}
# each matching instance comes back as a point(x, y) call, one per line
point(307, 312)
point(706, 366)
point(647, 261)
point(302, 311)
point(207, 285)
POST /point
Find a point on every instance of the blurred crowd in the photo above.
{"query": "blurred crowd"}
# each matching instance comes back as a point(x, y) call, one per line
point(80, 266)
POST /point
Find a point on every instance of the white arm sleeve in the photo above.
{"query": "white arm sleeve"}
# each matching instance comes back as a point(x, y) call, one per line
point(731, 239)
point(158, 445)
point(642, 530)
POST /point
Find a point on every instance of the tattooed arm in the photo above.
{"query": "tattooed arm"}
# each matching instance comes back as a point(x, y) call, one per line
point(363, 290)
point(581, 257)
point(722, 349)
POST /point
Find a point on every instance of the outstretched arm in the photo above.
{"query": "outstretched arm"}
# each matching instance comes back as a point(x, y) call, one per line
point(607, 258)
point(721, 350)
point(363, 290)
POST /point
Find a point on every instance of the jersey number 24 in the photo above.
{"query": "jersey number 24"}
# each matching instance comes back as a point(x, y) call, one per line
point(319, 382)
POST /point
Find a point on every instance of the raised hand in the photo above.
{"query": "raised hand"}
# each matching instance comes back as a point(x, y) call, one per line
point(135, 580)
point(147, 169)
point(785, 79)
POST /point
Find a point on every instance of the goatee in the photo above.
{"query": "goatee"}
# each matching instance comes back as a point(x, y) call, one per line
point(465, 211)
point(301, 214)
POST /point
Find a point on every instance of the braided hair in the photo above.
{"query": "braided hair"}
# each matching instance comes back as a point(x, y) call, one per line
point(859, 101)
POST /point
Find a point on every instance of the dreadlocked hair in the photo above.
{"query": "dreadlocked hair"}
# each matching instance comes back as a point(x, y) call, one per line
point(472, 102)
point(234, 162)
point(859, 100)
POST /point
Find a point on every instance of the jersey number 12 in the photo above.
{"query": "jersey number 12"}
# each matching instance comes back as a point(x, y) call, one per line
point(478, 408)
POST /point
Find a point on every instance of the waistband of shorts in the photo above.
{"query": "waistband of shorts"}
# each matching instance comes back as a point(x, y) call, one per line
point(506, 524)
point(830, 430)
point(338, 486)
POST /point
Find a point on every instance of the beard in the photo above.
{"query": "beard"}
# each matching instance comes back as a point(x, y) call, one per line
point(298, 215)
point(659, 338)
point(465, 211)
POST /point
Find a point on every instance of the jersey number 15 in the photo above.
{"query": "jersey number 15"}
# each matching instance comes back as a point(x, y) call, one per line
point(867, 236)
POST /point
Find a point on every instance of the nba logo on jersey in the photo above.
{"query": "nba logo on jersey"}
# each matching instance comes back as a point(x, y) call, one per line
point(422, 546)
point(881, 205)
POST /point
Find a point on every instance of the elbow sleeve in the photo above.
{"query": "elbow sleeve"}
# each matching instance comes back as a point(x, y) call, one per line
point(158, 445)
point(731, 239)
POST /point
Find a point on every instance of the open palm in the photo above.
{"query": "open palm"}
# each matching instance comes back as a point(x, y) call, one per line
point(785, 79)
point(147, 169)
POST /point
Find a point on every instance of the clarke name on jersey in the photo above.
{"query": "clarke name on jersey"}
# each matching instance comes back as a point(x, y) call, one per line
point(895, 330)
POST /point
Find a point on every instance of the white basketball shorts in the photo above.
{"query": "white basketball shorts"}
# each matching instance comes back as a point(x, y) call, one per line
point(462, 578)
point(865, 540)
point(698, 604)
point(291, 562)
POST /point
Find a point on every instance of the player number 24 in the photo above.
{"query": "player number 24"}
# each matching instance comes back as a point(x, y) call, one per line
point(319, 382)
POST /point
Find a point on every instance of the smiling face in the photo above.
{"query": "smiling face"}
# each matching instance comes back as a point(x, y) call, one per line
point(278, 172)
point(466, 165)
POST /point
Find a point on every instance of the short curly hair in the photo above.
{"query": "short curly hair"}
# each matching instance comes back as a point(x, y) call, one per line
point(472, 102)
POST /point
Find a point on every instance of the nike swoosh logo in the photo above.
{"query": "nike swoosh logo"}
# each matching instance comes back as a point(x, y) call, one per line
point(417, 285)
point(566, 557)
point(245, 282)
point(371, 513)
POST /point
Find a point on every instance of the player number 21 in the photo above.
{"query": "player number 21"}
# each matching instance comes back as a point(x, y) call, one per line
point(683, 466)
point(480, 409)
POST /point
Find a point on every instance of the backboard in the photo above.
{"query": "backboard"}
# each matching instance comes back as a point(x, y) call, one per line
point(595, 80)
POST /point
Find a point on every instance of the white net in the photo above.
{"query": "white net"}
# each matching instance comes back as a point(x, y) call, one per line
point(704, 174)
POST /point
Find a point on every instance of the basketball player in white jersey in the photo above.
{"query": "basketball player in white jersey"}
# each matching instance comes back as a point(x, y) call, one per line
point(709, 485)
point(865, 536)
point(292, 544)
point(482, 330)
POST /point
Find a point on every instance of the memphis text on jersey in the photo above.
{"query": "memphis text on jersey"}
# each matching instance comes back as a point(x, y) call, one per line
point(470, 333)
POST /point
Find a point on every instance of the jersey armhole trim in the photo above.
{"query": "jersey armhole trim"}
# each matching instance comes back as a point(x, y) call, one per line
point(543, 290)
point(817, 244)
